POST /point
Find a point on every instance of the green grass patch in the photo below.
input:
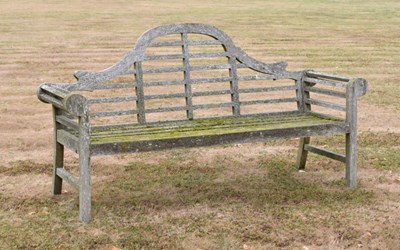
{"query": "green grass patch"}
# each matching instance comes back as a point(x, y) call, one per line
point(173, 203)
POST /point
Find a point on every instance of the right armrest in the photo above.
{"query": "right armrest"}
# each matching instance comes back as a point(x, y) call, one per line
point(62, 98)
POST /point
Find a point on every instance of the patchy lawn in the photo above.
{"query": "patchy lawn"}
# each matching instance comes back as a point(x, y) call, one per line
point(246, 196)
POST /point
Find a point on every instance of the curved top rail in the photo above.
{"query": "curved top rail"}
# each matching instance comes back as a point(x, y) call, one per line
point(277, 69)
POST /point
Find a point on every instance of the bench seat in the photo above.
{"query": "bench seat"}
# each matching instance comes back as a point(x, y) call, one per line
point(210, 131)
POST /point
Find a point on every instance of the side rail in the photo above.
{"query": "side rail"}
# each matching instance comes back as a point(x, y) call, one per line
point(67, 106)
point(321, 89)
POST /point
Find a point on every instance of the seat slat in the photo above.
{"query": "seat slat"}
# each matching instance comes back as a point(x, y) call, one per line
point(207, 124)
point(293, 113)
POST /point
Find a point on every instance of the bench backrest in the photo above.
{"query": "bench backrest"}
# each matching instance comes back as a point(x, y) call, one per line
point(187, 71)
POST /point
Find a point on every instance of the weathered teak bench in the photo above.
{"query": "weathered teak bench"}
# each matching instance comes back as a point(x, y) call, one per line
point(166, 90)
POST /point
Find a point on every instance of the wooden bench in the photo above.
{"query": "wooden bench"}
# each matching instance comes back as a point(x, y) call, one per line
point(188, 85)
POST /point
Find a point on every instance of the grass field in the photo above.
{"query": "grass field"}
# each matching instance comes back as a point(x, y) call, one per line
point(230, 197)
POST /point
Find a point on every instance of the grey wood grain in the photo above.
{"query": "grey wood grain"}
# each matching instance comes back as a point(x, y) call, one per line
point(85, 182)
point(186, 76)
point(351, 137)
point(234, 86)
point(302, 153)
point(67, 122)
point(67, 139)
point(140, 93)
point(200, 141)
point(68, 177)
point(325, 152)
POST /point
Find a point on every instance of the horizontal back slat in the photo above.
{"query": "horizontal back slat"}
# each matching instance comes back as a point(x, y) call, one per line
point(256, 77)
point(163, 83)
point(113, 99)
point(112, 86)
point(180, 43)
point(164, 96)
point(268, 101)
point(181, 69)
point(114, 113)
point(325, 104)
point(180, 56)
point(325, 91)
point(267, 89)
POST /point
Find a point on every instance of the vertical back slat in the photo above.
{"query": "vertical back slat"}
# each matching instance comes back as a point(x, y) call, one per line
point(139, 93)
point(234, 86)
point(305, 95)
point(186, 74)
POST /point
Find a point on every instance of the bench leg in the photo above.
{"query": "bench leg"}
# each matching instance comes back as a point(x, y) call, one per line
point(351, 159)
point(302, 153)
point(85, 183)
point(58, 155)
point(84, 189)
point(58, 163)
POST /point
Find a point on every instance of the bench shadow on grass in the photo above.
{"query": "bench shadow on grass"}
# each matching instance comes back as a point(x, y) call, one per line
point(172, 185)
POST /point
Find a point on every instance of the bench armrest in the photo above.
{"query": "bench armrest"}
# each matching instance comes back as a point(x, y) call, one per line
point(62, 98)
point(312, 78)
point(333, 87)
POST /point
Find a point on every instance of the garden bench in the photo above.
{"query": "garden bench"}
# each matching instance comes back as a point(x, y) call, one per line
point(188, 85)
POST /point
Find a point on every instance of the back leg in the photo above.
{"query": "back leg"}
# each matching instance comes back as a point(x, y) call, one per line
point(58, 156)
point(302, 153)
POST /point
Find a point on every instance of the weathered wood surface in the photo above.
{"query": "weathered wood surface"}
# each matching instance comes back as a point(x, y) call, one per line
point(72, 110)
point(209, 140)
point(324, 152)
point(351, 136)
point(58, 154)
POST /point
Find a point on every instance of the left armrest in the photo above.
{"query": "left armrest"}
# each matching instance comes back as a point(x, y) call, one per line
point(62, 98)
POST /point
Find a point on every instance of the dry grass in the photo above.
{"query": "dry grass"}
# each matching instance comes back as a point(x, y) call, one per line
point(235, 197)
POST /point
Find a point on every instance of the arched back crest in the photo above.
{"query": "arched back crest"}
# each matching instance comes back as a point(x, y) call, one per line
point(146, 38)
point(85, 79)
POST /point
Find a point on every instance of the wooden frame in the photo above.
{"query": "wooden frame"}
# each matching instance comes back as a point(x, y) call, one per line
point(72, 113)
